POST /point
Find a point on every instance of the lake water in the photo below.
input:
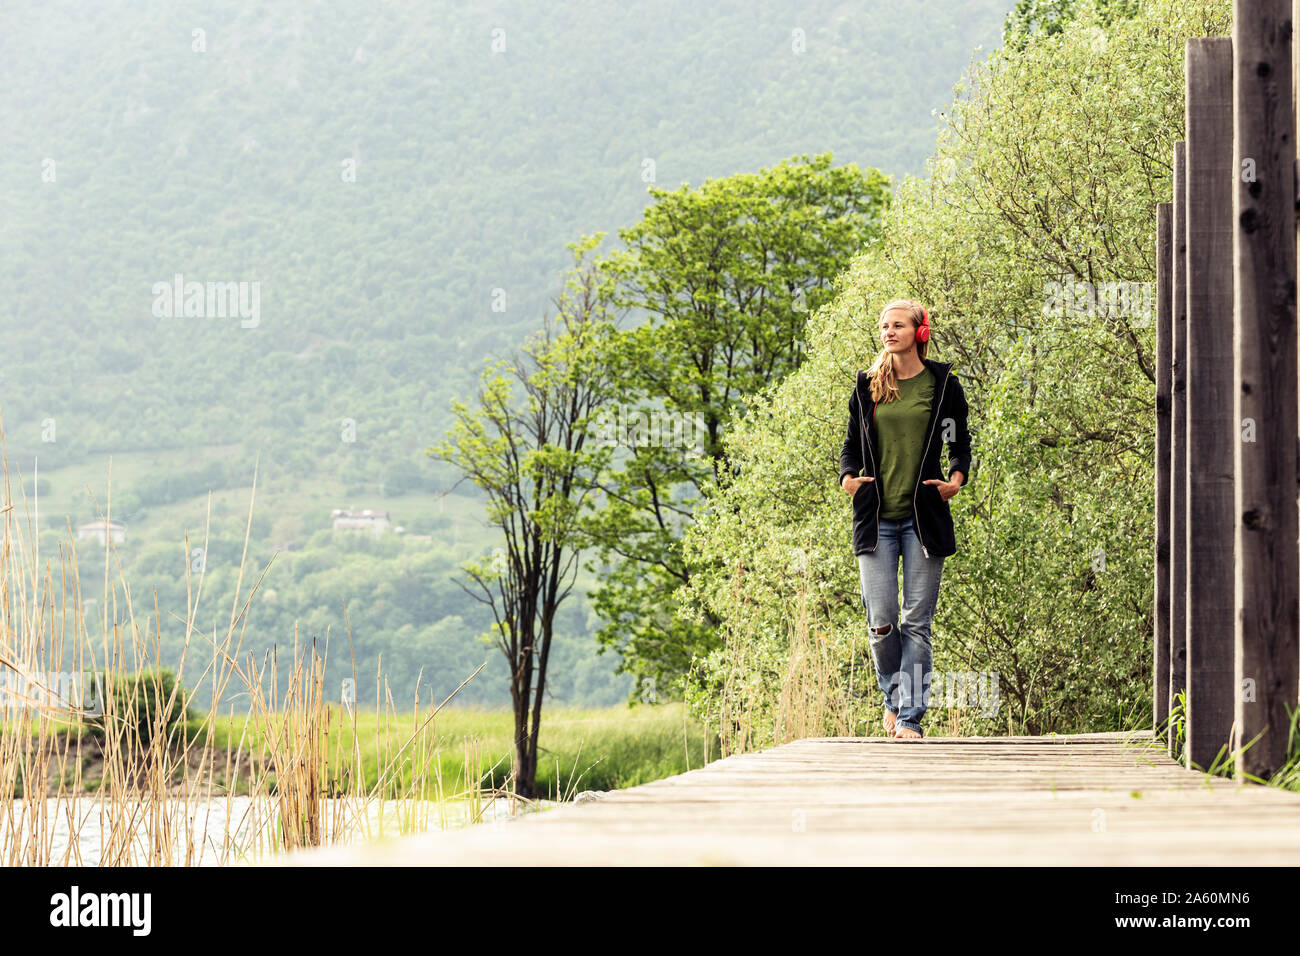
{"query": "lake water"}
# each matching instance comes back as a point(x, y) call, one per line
point(197, 832)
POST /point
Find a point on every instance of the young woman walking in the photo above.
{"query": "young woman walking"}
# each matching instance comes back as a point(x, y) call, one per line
point(901, 410)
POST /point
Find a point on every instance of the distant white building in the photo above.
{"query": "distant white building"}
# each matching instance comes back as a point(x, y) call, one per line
point(101, 531)
point(347, 519)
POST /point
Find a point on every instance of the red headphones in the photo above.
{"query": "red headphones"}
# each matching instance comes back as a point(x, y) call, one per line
point(923, 330)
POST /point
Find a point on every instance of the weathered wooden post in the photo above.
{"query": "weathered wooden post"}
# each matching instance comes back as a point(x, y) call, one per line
point(1164, 353)
point(1211, 437)
point(1178, 449)
point(1267, 633)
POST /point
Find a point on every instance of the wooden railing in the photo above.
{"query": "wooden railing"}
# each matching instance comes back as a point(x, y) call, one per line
point(1227, 628)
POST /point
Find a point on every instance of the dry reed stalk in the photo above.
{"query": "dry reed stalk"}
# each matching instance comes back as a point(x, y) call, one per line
point(810, 702)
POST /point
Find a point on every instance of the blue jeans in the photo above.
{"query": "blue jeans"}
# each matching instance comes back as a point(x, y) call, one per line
point(900, 645)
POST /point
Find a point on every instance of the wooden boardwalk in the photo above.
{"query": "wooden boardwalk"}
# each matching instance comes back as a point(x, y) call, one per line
point(1091, 799)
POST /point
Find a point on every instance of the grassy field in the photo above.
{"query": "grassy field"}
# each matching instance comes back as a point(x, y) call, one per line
point(459, 750)
point(600, 749)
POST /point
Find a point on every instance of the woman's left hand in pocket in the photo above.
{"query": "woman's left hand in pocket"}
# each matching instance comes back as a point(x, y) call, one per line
point(946, 488)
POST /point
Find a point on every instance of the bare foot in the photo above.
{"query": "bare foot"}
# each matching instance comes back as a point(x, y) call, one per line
point(891, 719)
point(905, 733)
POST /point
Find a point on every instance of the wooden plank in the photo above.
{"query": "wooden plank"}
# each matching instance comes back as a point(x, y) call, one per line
point(1064, 800)
point(1164, 354)
point(1211, 433)
point(1266, 660)
point(1178, 449)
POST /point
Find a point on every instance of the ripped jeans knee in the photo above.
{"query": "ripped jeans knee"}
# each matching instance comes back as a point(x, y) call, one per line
point(879, 632)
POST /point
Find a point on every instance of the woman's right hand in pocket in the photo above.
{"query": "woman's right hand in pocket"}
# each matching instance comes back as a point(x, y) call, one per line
point(851, 484)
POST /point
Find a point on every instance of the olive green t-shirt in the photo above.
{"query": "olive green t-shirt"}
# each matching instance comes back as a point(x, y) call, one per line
point(901, 426)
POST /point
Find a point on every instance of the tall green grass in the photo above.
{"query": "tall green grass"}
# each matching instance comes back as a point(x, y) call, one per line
point(585, 748)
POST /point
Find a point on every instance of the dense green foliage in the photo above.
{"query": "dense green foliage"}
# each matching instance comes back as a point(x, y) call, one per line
point(136, 708)
point(1048, 171)
point(386, 609)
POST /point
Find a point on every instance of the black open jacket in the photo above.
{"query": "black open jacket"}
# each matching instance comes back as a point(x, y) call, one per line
point(930, 513)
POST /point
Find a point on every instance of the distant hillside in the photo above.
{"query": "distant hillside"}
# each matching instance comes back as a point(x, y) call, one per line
point(132, 158)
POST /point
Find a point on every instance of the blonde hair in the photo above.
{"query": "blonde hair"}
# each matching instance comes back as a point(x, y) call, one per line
point(884, 381)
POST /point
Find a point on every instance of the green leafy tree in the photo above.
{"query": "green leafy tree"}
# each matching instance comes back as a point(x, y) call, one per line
point(726, 276)
point(535, 463)
point(1030, 17)
point(1050, 17)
